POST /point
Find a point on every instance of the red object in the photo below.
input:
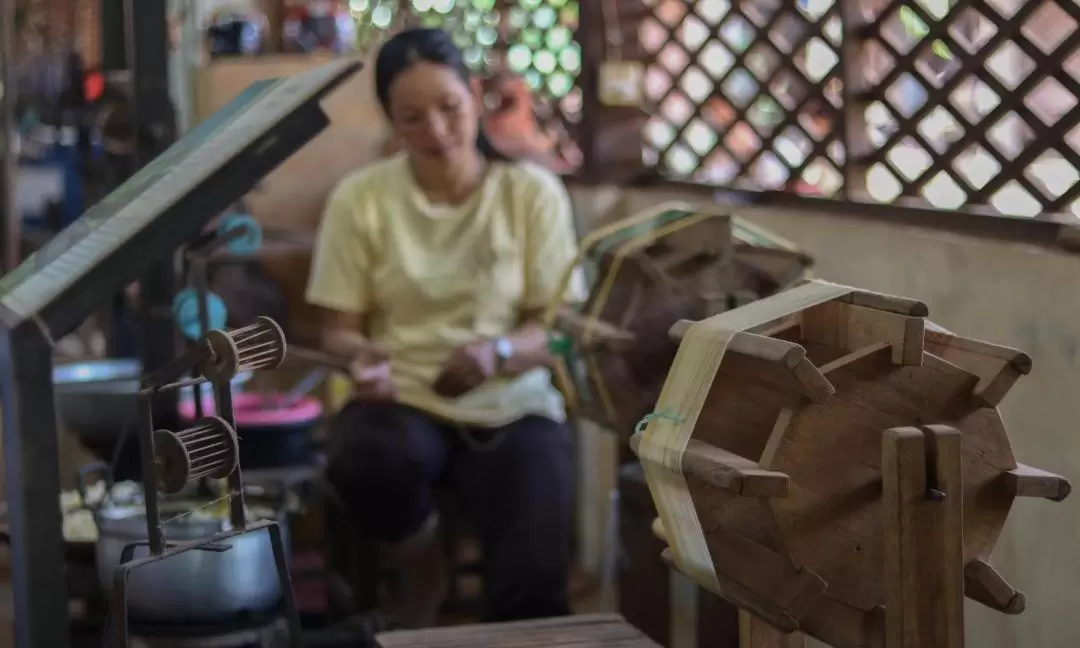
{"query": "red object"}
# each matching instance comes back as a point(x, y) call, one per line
point(512, 126)
point(259, 410)
point(94, 86)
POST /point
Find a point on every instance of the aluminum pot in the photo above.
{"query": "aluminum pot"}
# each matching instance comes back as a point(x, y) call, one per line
point(97, 399)
point(195, 586)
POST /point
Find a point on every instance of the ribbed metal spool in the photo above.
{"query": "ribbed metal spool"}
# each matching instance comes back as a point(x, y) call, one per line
point(259, 345)
point(208, 449)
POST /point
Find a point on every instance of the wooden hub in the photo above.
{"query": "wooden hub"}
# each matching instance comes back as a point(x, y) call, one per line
point(652, 269)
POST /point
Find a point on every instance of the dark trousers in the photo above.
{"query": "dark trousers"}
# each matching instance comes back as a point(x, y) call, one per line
point(514, 482)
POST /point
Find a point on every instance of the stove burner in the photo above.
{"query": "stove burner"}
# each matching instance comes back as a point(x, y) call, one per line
point(256, 633)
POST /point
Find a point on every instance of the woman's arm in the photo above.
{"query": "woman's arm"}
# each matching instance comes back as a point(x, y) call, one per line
point(340, 279)
point(344, 334)
point(530, 345)
point(550, 250)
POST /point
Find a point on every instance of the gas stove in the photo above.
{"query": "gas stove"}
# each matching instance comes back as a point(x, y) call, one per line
point(262, 631)
point(272, 633)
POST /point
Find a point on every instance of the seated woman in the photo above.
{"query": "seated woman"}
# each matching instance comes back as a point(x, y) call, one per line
point(435, 264)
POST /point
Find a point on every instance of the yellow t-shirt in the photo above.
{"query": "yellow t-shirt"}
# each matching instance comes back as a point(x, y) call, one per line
point(435, 277)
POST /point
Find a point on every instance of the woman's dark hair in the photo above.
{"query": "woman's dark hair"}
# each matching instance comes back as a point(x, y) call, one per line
point(411, 46)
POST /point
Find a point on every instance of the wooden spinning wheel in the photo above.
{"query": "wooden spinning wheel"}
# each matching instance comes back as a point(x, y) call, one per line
point(648, 271)
point(825, 457)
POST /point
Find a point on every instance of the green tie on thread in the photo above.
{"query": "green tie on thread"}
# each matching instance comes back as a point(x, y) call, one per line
point(559, 344)
point(664, 414)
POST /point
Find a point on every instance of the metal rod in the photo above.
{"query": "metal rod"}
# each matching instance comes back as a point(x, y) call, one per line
point(179, 384)
point(223, 396)
point(130, 62)
point(202, 290)
point(33, 490)
point(281, 562)
point(9, 228)
point(149, 471)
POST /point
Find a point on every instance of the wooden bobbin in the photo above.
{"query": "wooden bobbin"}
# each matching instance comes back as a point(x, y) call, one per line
point(259, 345)
point(208, 448)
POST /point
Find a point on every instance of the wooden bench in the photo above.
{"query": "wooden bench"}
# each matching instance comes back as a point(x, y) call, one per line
point(585, 631)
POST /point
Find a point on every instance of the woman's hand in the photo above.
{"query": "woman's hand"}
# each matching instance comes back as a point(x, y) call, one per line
point(370, 372)
point(467, 368)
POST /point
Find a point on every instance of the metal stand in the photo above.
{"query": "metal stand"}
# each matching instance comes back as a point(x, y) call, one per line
point(75, 274)
point(208, 449)
point(196, 258)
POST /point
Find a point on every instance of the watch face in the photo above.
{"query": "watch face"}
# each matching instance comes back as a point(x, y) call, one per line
point(504, 348)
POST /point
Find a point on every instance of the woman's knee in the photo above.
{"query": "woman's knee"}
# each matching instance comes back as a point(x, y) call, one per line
point(383, 462)
point(383, 440)
point(541, 454)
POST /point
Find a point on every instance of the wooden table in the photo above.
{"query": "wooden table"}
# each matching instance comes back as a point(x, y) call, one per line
point(585, 631)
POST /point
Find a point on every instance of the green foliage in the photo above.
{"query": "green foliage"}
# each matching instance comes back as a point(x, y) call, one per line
point(539, 40)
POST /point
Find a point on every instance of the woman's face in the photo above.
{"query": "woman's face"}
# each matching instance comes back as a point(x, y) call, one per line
point(434, 112)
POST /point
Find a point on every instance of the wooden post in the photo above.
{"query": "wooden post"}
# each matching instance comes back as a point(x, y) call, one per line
point(755, 633)
point(922, 503)
point(610, 137)
point(9, 220)
point(854, 60)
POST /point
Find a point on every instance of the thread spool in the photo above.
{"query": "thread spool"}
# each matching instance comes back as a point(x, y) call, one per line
point(185, 309)
point(208, 448)
point(247, 243)
point(259, 345)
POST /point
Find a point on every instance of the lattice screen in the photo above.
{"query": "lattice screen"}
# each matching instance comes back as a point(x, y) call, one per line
point(746, 93)
point(975, 103)
point(533, 38)
point(966, 103)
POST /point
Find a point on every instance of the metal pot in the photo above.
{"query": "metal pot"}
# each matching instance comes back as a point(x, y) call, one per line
point(96, 401)
point(196, 586)
point(276, 433)
point(99, 398)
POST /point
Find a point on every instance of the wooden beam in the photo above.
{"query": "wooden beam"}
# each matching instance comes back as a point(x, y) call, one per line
point(9, 220)
point(984, 584)
point(922, 501)
point(1026, 481)
point(730, 472)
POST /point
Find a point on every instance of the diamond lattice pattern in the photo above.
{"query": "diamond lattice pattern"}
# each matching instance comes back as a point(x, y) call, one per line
point(533, 38)
point(966, 103)
point(746, 94)
point(974, 103)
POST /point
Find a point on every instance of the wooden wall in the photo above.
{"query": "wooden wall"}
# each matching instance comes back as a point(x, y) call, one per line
point(292, 197)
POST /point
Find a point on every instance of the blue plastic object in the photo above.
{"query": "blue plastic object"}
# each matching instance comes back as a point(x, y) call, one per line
point(185, 310)
point(247, 243)
point(62, 158)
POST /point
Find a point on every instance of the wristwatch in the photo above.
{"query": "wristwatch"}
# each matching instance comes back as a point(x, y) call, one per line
point(504, 350)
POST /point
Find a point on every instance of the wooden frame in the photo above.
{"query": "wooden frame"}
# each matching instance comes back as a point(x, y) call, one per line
point(790, 433)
